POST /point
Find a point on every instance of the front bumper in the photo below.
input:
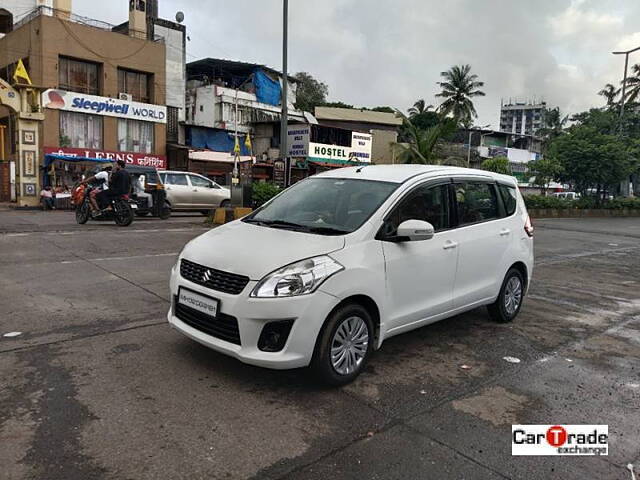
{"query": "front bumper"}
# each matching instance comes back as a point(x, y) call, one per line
point(308, 313)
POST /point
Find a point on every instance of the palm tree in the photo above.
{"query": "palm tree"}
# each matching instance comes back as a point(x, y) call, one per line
point(420, 144)
point(633, 84)
point(458, 88)
point(610, 93)
point(419, 107)
point(554, 125)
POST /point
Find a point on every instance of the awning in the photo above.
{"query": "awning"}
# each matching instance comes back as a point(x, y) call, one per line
point(211, 156)
point(50, 158)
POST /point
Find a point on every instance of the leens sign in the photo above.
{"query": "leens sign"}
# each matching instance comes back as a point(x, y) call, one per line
point(132, 158)
point(110, 107)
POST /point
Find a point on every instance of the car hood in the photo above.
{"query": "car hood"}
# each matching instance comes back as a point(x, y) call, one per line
point(254, 250)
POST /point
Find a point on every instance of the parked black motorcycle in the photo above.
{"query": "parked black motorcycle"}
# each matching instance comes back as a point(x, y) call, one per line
point(121, 211)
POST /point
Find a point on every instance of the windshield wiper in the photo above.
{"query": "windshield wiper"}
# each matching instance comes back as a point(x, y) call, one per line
point(328, 230)
point(277, 224)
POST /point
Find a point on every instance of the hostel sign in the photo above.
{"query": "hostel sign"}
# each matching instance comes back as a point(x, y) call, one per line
point(300, 146)
point(109, 107)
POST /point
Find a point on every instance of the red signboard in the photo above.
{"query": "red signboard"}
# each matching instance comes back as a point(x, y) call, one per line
point(132, 158)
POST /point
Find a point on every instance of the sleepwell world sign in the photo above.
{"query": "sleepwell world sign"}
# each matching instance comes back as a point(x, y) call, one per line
point(110, 107)
point(300, 145)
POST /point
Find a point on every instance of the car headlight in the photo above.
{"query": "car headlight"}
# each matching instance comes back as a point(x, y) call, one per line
point(300, 278)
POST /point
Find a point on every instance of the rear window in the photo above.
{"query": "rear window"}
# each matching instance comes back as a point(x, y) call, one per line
point(509, 198)
point(477, 202)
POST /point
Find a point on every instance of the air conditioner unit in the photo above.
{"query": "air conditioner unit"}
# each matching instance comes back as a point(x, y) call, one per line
point(125, 96)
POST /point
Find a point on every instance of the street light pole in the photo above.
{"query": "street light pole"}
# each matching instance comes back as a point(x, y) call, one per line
point(285, 86)
point(624, 79)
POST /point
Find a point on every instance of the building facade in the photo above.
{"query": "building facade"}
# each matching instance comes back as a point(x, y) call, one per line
point(381, 126)
point(224, 97)
point(103, 92)
point(524, 118)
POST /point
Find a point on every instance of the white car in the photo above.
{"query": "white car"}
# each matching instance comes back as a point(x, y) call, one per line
point(327, 270)
point(191, 191)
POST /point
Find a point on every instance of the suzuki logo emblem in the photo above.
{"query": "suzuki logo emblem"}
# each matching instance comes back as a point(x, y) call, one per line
point(206, 276)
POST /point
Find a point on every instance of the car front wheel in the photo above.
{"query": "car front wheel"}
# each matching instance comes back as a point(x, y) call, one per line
point(345, 344)
point(509, 301)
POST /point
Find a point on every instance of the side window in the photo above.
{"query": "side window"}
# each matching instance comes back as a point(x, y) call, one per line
point(509, 198)
point(177, 179)
point(199, 181)
point(430, 204)
point(477, 202)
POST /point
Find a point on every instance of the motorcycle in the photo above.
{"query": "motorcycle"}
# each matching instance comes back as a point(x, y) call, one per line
point(121, 211)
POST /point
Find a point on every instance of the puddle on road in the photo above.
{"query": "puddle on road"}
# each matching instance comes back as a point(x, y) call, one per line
point(496, 405)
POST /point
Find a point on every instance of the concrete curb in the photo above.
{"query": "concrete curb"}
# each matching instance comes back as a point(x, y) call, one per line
point(220, 216)
point(586, 212)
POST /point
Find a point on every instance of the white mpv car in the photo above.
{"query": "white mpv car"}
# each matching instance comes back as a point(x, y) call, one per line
point(323, 273)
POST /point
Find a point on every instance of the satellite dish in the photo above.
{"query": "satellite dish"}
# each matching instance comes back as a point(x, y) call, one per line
point(179, 17)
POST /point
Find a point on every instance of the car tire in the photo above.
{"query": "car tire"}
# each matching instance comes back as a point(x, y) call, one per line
point(509, 301)
point(347, 331)
point(225, 204)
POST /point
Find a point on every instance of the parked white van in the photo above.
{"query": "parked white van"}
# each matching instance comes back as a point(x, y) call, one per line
point(326, 271)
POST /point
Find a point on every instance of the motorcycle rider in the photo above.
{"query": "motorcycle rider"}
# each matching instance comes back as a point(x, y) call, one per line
point(120, 184)
point(102, 179)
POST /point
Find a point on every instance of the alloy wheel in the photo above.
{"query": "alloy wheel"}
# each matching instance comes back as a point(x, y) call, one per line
point(349, 345)
point(512, 295)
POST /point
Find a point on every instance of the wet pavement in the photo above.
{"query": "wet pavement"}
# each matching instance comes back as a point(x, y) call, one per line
point(98, 386)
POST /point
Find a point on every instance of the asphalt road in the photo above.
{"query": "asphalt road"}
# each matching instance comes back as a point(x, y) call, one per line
point(98, 386)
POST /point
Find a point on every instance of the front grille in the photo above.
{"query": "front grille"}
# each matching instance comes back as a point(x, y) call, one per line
point(214, 279)
point(224, 327)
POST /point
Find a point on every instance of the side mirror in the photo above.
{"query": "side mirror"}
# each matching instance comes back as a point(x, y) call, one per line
point(415, 230)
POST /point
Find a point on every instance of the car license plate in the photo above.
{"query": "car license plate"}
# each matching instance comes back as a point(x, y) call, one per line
point(201, 303)
point(134, 206)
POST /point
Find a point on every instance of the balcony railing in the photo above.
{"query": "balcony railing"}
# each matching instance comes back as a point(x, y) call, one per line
point(72, 17)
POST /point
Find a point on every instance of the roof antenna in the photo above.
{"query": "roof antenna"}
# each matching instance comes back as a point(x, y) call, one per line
point(360, 168)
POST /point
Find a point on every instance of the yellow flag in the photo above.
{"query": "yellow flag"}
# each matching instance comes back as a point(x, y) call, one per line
point(21, 73)
point(247, 143)
point(236, 149)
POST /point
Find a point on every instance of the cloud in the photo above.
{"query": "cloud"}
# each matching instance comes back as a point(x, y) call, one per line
point(391, 52)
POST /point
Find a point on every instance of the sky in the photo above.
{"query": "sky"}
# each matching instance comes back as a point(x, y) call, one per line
point(391, 52)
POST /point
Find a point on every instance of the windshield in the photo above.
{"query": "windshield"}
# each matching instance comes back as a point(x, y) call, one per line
point(324, 205)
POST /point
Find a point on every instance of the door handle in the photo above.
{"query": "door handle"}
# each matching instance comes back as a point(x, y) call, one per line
point(504, 232)
point(449, 245)
point(195, 190)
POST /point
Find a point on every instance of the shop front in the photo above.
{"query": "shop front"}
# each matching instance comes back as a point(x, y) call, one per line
point(320, 148)
point(79, 125)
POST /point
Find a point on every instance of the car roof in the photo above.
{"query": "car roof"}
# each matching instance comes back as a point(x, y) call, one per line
point(403, 173)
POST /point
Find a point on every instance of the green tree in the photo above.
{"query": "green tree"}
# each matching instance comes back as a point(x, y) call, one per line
point(310, 93)
point(544, 170)
point(497, 164)
point(419, 107)
point(419, 146)
point(610, 93)
point(554, 125)
point(336, 105)
point(459, 87)
point(384, 109)
point(591, 159)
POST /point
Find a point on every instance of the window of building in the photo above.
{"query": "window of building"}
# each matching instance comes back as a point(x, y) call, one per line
point(79, 76)
point(477, 202)
point(172, 124)
point(136, 84)
point(79, 130)
point(135, 136)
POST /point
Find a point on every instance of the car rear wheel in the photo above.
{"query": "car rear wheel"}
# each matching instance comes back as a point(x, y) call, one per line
point(509, 301)
point(225, 204)
point(344, 346)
